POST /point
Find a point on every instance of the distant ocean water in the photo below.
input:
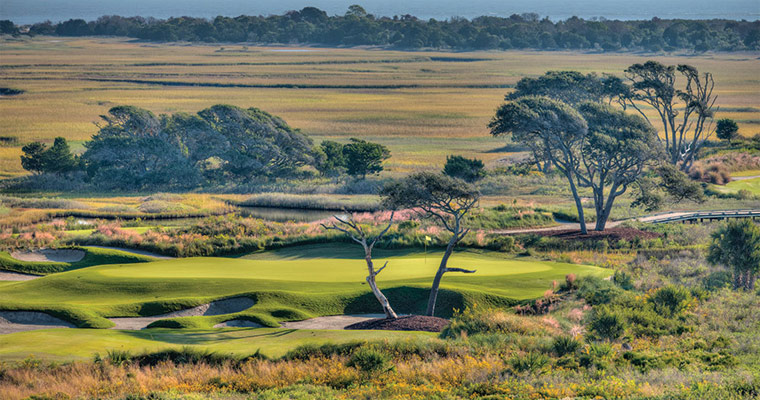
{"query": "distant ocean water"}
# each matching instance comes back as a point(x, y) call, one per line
point(31, 11)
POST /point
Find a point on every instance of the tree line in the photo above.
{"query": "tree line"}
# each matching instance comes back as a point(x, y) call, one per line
point(356, 27)
point(221, 145)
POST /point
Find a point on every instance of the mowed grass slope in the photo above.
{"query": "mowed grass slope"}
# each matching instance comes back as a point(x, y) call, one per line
point(290, 284)
point(77, 344)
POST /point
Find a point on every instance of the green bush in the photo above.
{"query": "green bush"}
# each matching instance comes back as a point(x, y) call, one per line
point(532, 362)
point(606, 323)
point(671, 300)
point(563, 345)
point(596, 290)
point(370, 360)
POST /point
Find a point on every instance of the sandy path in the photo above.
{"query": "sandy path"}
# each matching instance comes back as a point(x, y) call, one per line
point(49, 255)
point(20, 321)
point(743, 178)
point(134, 251)
point(331, 322)
point(15, 276)
point(219, 307)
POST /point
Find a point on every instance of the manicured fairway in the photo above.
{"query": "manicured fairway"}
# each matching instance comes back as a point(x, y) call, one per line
point(290, 284)
point(73, 344)
point(751, 185)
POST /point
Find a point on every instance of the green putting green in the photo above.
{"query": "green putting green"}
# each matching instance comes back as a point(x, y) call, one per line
point(752, 185)
point(73, 344)
point(289, 284)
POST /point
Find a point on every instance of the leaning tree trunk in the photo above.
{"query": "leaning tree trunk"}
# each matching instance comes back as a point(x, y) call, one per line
point(738, 279)
point(389, 313)
point(439, 275)
point(578, 203)
point(749, 281)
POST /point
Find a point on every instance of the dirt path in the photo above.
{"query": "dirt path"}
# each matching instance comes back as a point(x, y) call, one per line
point(15, 276)
point(219, 307)
point(744, 178)
point(331, 322)
point(134, 251)
point(20, 321)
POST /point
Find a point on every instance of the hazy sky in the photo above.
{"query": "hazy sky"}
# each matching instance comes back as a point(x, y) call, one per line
point(29, 11)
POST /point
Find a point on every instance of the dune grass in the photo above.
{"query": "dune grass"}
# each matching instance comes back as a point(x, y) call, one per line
point(289, 284)
point(80, 344)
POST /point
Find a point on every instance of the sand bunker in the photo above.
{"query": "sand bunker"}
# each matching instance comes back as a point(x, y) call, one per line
point(49, 255)
point(238, 323)
point(15, 276)
point(331, 322)
point(219, 307)
point(19, 321)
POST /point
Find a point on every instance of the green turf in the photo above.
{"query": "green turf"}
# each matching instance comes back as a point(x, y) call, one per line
point(73, 344)
point(93, 256)
point(288, 284)
point(752, 185)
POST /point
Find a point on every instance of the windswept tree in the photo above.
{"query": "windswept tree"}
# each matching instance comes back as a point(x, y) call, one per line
point(571, 87)
point(442, 198)
point(595, 146)
point(685, 113)
point(362, 157)
point(553, 130)
point(736, 245)
point(37, 158)
point(727, 129)
point(615, 152)
point(359, 234)
point(468, 169)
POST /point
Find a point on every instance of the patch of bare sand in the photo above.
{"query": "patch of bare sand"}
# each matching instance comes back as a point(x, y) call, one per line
point(16, 276)
point(49, 255)
point(219, 307)
point(331, 322)
point(20, 321)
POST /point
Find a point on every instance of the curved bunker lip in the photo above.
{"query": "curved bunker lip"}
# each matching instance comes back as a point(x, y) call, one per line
point(20, 321)
point(219, 307)
point(331, 322)
point(49, 255)
point(16, 276)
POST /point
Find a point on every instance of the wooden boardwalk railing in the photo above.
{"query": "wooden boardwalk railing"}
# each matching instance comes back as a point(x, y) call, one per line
point(700, 216)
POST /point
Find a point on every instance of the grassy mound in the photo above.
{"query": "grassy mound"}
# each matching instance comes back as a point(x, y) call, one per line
point(290, 284)
point(93, 256)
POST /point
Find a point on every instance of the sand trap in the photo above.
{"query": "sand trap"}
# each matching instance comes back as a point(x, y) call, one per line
point(219, 307)
point(331, 322)
point(238, 323)
point(15, 276)
point(49, 255)
point(19, 321)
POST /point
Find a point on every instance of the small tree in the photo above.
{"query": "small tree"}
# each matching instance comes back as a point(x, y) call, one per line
point(33, 158)
point(737, 246)
point(333, 163)
point(727, 129)
point(358, 234)
point(58, 158)
point(446, 199)
point(467, 169)
point(362, 157)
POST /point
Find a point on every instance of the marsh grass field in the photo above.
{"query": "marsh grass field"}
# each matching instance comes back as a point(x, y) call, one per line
point(423, 105)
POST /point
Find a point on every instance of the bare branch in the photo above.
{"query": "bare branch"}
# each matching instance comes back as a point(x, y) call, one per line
point(466, 271)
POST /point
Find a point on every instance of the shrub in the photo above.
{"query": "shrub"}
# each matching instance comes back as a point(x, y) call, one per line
point(565, 345)
point(532, 362)
point(671, 300)
point(596, 290)
point(475, 320)
point(467, 169)
point(606, 324)
point(370, 360)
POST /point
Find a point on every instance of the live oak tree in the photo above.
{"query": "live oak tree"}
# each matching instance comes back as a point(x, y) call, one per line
point(468, 169)
point(726, 129)
point(442, 198)
point(359, 234)
point(685, 113)
point(595, 146)
point(362, 157)
point(553, 130)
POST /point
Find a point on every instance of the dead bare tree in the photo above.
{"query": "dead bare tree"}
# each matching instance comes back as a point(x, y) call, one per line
point(354, 230)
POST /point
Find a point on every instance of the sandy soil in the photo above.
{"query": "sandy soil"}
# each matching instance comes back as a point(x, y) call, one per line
point(331, 322)
point(238, 323)
point(49, 255)
point(226, 306)
point(138, 252)
point(19, 321)
point(15, 276)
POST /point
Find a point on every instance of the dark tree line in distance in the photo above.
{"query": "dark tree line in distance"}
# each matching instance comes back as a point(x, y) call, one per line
point(358, 28)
